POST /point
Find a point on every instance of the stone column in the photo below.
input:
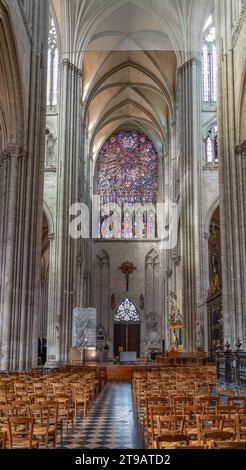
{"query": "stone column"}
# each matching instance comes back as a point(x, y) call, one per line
point(232, 176)
point(69, 134)
point(52, 320)
point(12, 161)
point(21, 210)
point(189, 76)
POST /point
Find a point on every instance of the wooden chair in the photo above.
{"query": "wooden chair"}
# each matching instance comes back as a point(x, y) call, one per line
point(80, 398)
point(43, 426)
point(190, 413)
point(240, 422)
point(229, 413)
point(170, 440)
point(239, 401)
point(217, 436)
point(20, 433)
point(151, 426)
point(192, 446)
point(3, 435)
point(208, 423)
point(209, 403)
point(172, 423)
point(229, 444)
point(181, 401)
point(65, 408)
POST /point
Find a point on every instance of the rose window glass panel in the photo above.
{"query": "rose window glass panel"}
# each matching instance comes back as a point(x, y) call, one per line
point(127, 186)
point(127, 311)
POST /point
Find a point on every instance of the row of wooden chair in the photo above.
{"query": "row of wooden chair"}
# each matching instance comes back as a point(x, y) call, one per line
point(34, 409)
point(185, 409)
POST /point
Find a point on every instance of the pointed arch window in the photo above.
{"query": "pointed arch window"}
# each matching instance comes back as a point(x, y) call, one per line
point(127, 312)
point(52, 66)
point(127, 186)
point(209, 78)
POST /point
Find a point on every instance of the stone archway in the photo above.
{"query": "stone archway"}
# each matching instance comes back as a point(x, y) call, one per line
point(126, 328)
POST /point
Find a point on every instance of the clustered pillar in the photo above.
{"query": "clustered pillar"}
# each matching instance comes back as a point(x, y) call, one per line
point(21, 181)
point(190, 173)
point(64, 276)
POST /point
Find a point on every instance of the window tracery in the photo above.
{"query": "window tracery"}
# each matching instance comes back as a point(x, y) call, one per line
point(127, 311)
point(127, 186)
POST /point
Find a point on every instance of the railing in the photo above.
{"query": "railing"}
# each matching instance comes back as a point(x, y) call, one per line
point(231, 367)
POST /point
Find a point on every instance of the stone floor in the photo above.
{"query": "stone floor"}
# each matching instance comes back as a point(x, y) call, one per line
point(111, 424)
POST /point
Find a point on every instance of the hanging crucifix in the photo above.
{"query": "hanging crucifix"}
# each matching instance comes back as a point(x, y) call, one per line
point(127, 268)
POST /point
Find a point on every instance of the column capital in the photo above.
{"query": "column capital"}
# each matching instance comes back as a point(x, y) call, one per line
point(192, 61)
point(67, 63)
point(241, 148)
point(169, 272)
point(51, 237)
point(176, 259)
point(12, 151)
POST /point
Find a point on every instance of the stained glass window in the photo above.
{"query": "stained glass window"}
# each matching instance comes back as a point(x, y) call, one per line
point(127, 311)
point(209, 89)
point(127, 186)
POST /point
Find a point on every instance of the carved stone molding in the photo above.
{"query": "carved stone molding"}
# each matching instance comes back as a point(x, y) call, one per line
point(12, 151)
point(71, 66)
point(241, 149)
point(211, 167)
point(188, 63)
point(176, 260)
point(169, 272)
point(51, 237)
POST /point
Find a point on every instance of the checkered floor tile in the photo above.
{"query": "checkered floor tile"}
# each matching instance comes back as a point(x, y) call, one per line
point(111, 424)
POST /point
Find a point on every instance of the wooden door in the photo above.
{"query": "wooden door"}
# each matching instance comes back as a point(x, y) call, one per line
point(133, 337)
point(126, 337)
point(119, 337)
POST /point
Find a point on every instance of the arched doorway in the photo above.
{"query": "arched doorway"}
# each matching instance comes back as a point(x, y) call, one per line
point(214, 300)
point(126, 328)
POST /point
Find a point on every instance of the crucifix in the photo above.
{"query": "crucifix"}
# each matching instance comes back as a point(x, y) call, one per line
point(127, 268)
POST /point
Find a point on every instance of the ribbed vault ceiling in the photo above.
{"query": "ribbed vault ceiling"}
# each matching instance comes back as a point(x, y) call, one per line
point(129, 52)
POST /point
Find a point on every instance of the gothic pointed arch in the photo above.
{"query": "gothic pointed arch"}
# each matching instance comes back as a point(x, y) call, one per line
point(126, 311)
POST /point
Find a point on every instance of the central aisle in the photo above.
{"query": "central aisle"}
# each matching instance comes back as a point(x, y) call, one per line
point(111, 423)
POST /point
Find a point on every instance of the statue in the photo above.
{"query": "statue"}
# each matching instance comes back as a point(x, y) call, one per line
point(198, 335)
point(214, 263)
point(175, 342)
point(175, 315)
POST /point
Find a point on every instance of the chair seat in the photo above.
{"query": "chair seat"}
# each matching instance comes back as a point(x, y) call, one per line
point(42, 430)
point(191, 431)
point(25, 444)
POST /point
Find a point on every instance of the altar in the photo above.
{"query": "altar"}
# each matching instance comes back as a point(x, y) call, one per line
point(128, 356)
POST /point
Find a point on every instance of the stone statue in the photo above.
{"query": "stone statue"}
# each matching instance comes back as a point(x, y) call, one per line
point(175, 315)
point(175, 341)
point(198, 335)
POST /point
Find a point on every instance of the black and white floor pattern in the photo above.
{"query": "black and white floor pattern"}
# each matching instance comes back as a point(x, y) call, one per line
point(111, 423)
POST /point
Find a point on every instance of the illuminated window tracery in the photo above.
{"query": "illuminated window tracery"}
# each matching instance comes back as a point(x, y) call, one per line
point(127, 312)
point(127, 186)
